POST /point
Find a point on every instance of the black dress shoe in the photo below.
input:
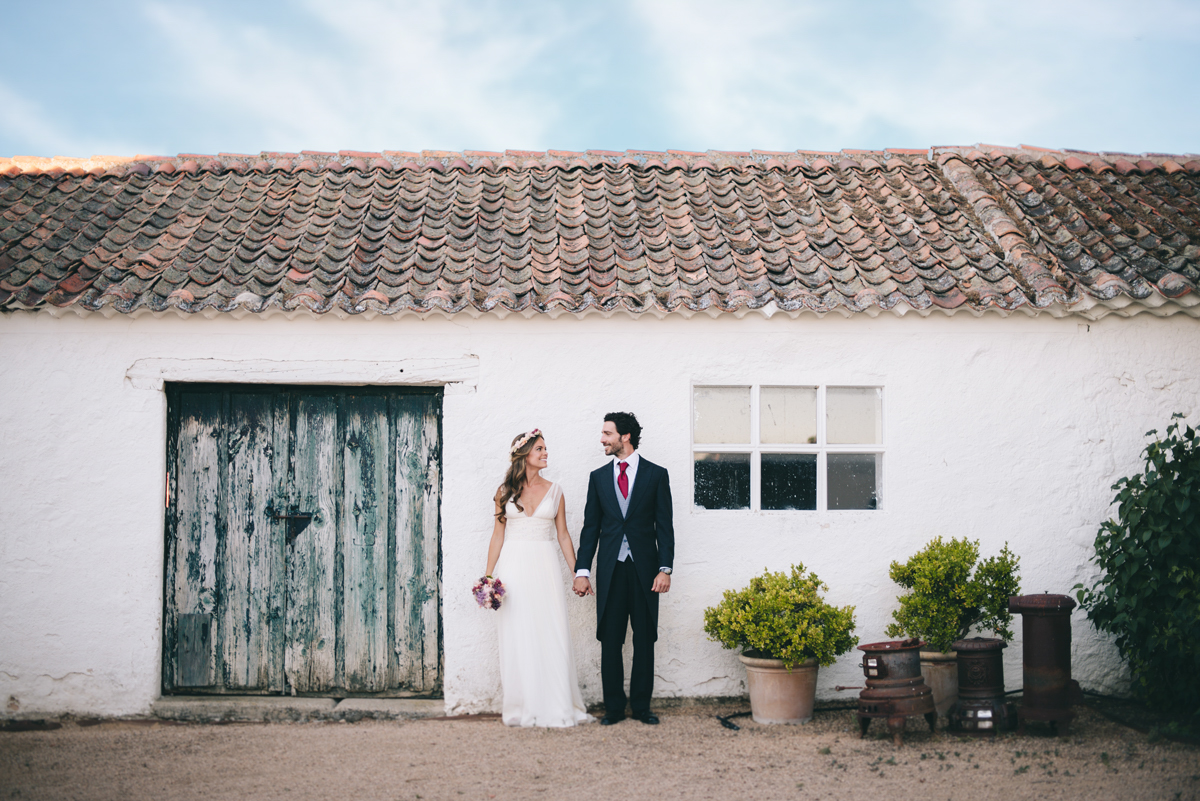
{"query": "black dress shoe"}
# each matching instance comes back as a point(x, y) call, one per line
point(649, 719)
point(609, 720)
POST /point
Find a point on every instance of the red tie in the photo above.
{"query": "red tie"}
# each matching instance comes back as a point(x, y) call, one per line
point(623, 480)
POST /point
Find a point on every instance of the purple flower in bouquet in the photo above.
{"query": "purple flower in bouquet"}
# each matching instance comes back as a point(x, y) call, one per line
point(488, 591)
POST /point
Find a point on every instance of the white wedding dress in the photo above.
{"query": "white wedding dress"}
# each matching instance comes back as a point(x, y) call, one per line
point(537, 666)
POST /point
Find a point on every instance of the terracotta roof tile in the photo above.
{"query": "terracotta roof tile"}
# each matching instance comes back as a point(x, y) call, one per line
point(393, 231)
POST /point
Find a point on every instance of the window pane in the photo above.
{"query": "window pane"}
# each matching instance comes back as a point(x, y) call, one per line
point(722, 415)
point(789, 481)
point(853, 480)
point(789, 415)
point(722, 480)
point(853, 416)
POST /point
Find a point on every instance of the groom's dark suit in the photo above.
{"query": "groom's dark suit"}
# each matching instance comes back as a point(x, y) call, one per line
point(623, 591)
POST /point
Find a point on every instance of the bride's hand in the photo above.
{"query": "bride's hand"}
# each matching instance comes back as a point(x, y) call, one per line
point(582, 587)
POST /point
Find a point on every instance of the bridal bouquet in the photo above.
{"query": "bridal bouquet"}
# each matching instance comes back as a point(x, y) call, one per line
point(488, 592)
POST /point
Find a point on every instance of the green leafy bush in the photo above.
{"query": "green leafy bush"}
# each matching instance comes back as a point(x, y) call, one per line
point(782, 616)
point(946, 600)
point(1148, 593)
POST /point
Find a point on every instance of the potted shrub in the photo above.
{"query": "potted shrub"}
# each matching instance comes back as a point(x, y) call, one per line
point(945, 600)
point(785, 630)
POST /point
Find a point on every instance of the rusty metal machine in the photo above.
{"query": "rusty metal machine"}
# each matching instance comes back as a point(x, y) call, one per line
point(1046, 634)
point(981, 707)
point(895, 690)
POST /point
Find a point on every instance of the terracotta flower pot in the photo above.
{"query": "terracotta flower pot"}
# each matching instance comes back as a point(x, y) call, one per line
point(940, 671)
point(778, 695)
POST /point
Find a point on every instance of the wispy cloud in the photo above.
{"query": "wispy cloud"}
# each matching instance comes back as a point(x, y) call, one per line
point(781, 74)
point(371, 74)
point(688, 74)
point(36, 133)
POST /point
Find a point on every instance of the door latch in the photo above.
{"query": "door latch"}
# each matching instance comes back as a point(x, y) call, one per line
point(296, 523)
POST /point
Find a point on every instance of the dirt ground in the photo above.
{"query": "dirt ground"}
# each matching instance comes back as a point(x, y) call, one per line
point(689, 756)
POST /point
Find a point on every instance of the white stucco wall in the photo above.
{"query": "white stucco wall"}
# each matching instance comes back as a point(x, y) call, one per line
point(996, 428)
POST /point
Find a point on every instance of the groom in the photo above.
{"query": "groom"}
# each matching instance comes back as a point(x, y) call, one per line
point(628, 514)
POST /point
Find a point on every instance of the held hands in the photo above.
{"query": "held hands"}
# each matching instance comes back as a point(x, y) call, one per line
point(583, 587)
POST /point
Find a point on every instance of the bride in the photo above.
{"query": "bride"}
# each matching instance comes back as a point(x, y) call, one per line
point(537, 667)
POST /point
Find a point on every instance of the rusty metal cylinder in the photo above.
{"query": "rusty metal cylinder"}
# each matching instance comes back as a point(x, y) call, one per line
point(892, 663)
point(895, 688)
point(981, 707)
point(1046, 655)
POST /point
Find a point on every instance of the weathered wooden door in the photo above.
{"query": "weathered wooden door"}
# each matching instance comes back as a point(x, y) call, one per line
point(302, 540)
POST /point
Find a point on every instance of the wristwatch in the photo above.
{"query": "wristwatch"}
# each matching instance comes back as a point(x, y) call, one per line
point(666, 570)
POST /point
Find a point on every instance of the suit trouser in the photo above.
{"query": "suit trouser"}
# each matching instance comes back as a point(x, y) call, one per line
point(626, 605)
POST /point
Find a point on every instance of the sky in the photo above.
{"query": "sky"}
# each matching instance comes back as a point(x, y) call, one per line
point(126, 77)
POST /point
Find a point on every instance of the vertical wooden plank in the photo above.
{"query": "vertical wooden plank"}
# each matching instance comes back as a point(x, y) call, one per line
point(310, 650)
point(281, 428)
point(170, 546)
point(194, 650)
point(249, 563)
point(192, 556)
point(365, 541)
point(416, 601)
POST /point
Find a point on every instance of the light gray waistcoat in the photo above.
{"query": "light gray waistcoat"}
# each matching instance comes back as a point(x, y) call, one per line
point(623, 502)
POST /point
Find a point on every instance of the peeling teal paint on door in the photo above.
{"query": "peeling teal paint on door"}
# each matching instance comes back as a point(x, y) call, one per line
point(342, 601)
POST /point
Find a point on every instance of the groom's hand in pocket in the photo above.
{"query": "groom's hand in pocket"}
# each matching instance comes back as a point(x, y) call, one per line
point(582, 587)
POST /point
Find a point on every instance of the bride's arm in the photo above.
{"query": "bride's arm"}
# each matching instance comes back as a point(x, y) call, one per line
point(495, 545)
point(564, 537)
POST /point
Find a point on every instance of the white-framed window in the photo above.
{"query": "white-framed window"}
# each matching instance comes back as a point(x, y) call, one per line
point(765, 447)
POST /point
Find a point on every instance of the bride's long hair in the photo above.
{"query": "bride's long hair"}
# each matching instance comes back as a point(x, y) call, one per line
point(515, 478)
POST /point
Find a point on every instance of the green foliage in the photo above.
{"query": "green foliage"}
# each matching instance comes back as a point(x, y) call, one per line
point(1148, 594)
point(946, 601)
point(783, 617)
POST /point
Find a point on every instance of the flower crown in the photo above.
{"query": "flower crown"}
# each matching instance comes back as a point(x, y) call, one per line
point(537, 432)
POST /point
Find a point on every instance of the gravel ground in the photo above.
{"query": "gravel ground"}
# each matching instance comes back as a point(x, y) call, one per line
point(688, 756)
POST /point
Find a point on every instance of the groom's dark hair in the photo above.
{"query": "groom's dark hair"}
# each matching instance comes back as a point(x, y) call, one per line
point(626, 423)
